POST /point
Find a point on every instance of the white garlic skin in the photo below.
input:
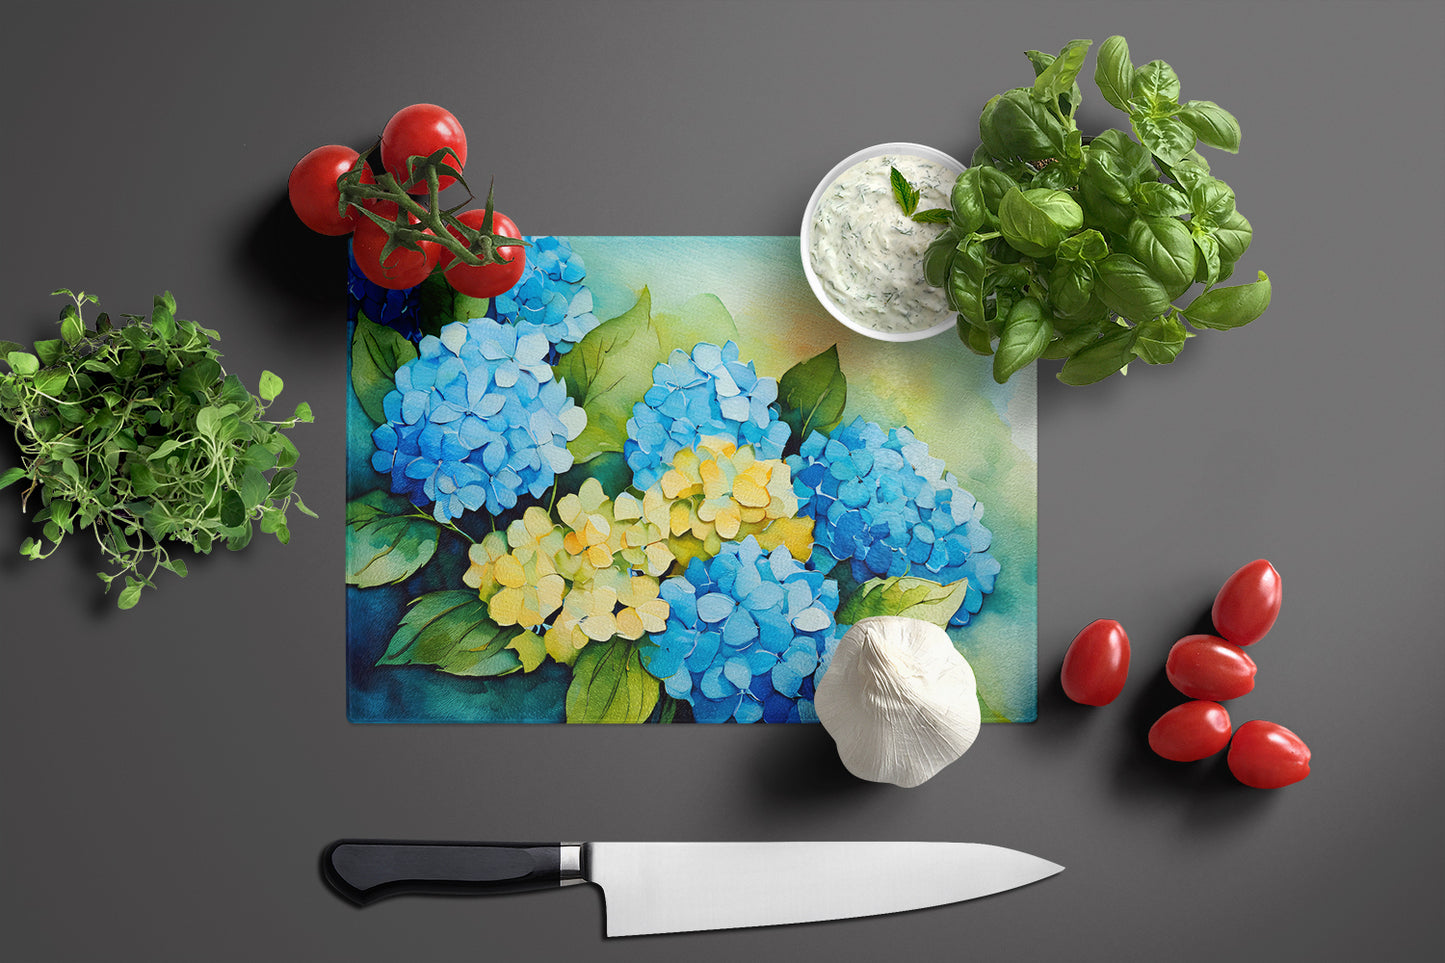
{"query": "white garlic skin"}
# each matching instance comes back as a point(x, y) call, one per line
point(899, 700)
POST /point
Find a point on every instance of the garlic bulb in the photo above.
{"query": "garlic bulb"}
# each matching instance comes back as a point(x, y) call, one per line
point(899, 700)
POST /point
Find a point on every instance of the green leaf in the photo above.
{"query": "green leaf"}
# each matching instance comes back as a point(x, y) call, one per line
point(303, 413)
point(199, 376)
point(1100, 359)
point(609, 684)
point(387, 539)
point(1210, 263)
point(1168, 139)
point(129, 595)
point(1156, 87)
point(1157, 199)
point(23, 363)
point(1127, 287)
point(376, 353)
point(451, 631)
point(11, 475)
point(1026, 334)
point(1114, 72)
point(163, 317)
point(966, 278)
point(271, 386)
point(142, 480)
point(52, 381)
point(1071, 286)
point(938, 258)
point(253, 488)
point(1232, 307)
point(1058, 77)
point(1212, 124)
point(233, 510)
point(283, 483)
point(608, 372)
point(1035, 221)
point(903, 192)
point(1159, 340)
point(1233, 234)
point(970, 210)
point(934, 215)
point(1088, 245)
point(812, 394)
point(72, 329)
point(208, 421)
point(1164, 246)
point(904, 595)
point(1015, 125)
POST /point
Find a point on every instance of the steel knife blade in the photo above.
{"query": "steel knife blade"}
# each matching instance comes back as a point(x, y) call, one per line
point(662, 887)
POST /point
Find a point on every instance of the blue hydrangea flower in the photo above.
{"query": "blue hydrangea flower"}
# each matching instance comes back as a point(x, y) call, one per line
point(708, 394)
point(748, 635)
point(881, 502)
point(476, 419)
point(550, 294)
point(399, 309)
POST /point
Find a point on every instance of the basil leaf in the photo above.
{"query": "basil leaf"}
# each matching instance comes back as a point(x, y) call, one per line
point(1160, 200)
point(1168, 139)
point(1165, 247)
point(1209, 260)
point(1026, 334)
point(970, 211)
point(1100, 359)
point(1071, 286)
point(1114, 72)
point(976, 339)
point(1233, 307)
point(1087, 245)
point(1069, 101)
point(1212, 124)
point(1156, 87)
point(1210, 199)
point(1057, 78)
point(1070, 342)
point(1159, 340)
point(1233, 235)
point(994, 184)
point(1015, 125)
point(938, 258)
point(966, 279)
point(1035, 221)
point(1128, 288)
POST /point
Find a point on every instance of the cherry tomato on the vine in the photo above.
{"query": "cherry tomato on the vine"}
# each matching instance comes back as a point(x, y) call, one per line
point(403, 268)
point(1266, 755)
point(1097, 663)
point(420, 131)
point(1191, 731)
point(1248, 603)
point(1206, 667)
point(313, 191)
point(486, 280)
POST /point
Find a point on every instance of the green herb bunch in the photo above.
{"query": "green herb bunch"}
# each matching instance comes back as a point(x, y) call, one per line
point(136, 433)
point(1066, 250)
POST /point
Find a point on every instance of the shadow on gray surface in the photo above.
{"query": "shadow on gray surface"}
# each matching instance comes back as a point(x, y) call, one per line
point(306, 269)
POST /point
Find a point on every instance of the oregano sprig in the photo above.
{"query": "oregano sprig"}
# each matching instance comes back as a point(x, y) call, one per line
point(137, 435)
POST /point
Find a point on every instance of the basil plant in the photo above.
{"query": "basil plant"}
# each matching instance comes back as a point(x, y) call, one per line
point(1063, 249)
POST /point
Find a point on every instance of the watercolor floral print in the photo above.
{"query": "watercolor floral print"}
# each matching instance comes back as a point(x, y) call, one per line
point(553, 517)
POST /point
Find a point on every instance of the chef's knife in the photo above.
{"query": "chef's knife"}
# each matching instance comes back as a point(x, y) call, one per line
point(674, 887)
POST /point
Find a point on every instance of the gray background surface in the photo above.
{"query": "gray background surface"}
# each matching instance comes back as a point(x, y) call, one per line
point(170, 774)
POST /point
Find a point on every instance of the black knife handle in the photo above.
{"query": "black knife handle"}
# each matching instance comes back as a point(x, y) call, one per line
point(366, 870)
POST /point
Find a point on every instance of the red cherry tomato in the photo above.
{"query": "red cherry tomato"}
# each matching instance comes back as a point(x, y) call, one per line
point(313, 192)
point(403, 268)
point(486, 280)
point(1266, 755)
point(1247, 605)
point(1191, 731)
point(420, 131)
point(1206, 667)
point(1097, 663)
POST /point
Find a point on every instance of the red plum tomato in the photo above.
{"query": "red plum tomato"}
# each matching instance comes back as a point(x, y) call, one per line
point(1266, 755)
point(1207, 667)
point(313, 191)
point(1097, 663)
point(1192, 731)
point(1247, 605)
point(403, 268)
point(486, 280)
point(420, 131)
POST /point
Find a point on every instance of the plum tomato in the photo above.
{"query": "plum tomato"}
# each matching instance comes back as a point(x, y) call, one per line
point(1248, 603)
point(313, 191)
point(403, 268)
point(1097, 663)
point(486, 280)
point(1207, 667)
point(420, 131)
point(1266, 755)
point(1191, 731)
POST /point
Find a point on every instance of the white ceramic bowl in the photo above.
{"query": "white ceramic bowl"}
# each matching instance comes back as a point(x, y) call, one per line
point(946, 319)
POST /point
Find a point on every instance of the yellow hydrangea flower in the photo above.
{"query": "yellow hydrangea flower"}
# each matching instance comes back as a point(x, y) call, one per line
point(609, 604)
point(516, 573)
point(604, 530)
